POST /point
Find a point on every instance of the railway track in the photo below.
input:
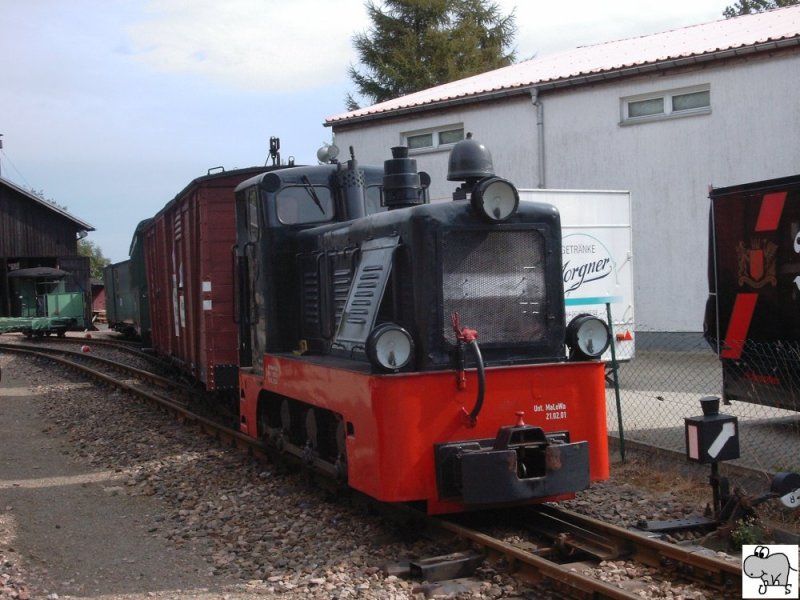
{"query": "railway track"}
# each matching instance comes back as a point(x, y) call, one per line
point(568, 546)
point(570, 549)
point(107, 370)
point(162, 392)
point(128, 347)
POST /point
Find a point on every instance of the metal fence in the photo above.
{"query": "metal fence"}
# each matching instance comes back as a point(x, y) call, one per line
point(669, 374)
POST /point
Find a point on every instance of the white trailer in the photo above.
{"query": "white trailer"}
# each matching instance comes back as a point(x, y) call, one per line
point(597, 257)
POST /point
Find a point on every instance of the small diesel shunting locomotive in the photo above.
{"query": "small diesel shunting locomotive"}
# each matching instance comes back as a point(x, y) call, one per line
point(417, 351)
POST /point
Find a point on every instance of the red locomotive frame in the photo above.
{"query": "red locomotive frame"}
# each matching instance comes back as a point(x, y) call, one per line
point(394, 421)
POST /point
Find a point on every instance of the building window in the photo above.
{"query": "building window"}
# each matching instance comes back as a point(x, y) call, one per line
point(431, 139)
point(645, 108)
point(422, 140)
point(674, 103)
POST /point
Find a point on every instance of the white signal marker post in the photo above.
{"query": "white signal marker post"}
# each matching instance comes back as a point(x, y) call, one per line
point(711, 437)
point(728, 431)
point(692, 442)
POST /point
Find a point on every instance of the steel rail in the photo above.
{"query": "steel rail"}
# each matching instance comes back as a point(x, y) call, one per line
point(691, 563)
point(533, 568)
point(129, 347)
point(158, 380)
point(179, 410)
point(524, 564)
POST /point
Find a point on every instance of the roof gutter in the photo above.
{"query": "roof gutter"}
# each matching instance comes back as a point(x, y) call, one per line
point(574, 81)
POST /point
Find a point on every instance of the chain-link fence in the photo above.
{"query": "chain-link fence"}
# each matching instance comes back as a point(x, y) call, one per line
point(669, 374)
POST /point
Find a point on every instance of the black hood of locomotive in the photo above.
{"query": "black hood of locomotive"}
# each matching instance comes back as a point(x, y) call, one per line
point(420, 231)
point(427, 218)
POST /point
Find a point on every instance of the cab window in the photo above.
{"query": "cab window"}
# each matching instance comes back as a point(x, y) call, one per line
point(304, 204)
point(374, 201)
point(252, 215)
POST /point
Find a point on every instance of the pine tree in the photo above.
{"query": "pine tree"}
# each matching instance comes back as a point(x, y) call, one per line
point(417, 44)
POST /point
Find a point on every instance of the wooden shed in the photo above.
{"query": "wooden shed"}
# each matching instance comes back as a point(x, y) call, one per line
point(37, 234)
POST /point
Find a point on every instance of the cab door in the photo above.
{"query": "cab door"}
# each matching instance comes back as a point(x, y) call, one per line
point(247, 305)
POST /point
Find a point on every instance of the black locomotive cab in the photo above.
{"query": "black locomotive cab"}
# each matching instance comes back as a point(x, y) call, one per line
point(393, 291)
point(271, 209)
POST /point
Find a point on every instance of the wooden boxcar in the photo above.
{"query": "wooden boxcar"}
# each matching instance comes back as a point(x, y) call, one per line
point(127, 305)
point(188, 251)
point(120, 307)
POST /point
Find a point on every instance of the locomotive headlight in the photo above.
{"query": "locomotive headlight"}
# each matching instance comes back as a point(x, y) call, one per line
point(588, 336)
point(495, 199)
point(389, 347)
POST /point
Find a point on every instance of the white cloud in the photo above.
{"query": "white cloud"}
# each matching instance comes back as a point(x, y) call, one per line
point(155, 96)
point(547, 28)
point(267, 45)
point(289, 46)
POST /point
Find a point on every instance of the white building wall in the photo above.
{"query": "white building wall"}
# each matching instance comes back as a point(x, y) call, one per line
point(751, 134)
point(508, 130)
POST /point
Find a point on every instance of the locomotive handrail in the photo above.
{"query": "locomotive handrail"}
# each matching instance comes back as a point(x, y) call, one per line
point(236, 283)
point(473, 416)
point(470, 337)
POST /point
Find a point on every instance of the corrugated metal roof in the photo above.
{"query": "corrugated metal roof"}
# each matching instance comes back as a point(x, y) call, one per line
point(46, 204)
point(706, 41)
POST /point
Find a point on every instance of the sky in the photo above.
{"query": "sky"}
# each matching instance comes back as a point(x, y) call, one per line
point(110, 108)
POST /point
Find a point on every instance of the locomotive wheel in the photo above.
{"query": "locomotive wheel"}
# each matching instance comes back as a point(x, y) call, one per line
point(341, 435)
point(311, 428)
point(341, 446)
point(262, 424)
point(286, 416)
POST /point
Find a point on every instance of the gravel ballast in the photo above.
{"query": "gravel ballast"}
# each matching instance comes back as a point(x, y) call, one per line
point(103, 497)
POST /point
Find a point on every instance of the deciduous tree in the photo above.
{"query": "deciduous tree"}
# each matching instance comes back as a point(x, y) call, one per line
point(96, 259)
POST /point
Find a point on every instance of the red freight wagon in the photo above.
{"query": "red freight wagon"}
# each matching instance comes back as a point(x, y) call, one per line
point(188, 249)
